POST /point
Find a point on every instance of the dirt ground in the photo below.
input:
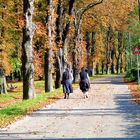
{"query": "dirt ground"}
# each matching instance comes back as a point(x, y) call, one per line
point(109, 112)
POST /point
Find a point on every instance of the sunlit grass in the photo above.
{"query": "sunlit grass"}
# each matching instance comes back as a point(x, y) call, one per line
point(17, 110)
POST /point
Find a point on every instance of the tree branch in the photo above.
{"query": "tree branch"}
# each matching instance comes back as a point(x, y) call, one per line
point(91, 5)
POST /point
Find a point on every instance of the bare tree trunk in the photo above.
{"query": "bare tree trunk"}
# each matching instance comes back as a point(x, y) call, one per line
point(112, 63)
point(139, 8)
point(117, 66)
point(76, 69)
point(97, 68)
point(65, 37)
point(120, 49)
point(93, 71)
point(50, 23)
point(122, 69)
point(103, 66)
point(27, 51)
point(109, 48)
point(3, 85)
point(48, 70)
point(59, 68)
point(58, 56)
point(92, 53)
point(88, 51)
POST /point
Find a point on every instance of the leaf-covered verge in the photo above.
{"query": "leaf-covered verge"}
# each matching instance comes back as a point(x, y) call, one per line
point(134, 90)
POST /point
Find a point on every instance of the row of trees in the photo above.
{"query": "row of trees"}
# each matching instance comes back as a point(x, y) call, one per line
point(40, 38)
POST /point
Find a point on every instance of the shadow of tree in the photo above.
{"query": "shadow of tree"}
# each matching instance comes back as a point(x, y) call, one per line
point(130, 111)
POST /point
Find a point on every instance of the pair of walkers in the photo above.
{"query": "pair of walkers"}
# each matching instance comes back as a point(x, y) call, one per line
point(67, 79)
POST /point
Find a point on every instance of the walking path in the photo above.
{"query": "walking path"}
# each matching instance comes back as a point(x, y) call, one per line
point(109, 112)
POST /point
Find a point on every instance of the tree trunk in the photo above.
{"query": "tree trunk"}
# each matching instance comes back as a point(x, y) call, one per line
point(109, 48)
point(48, 70)
point(130, 51)
point(112, 64)
point(50, 23)
point(103, 66)
point(120, 49)
point(121, 64)
point(92, 52)
point(88, 51)
point(3, 85)
point(76, 69)
point(27, 51)
point(139, 8)
point(117, 66)
point(59, 27)
point(65, 37)
point(58, 74)
point(93, 71)
point(58, 56)
point(59, 70)
point(97, 68)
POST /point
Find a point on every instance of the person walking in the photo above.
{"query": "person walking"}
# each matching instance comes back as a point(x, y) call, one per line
point(84, 82)
point(66, 83)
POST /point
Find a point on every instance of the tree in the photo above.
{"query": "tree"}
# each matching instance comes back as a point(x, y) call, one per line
point(77, 24)
point(62, 36)
point(27, 51)
point(50, 29)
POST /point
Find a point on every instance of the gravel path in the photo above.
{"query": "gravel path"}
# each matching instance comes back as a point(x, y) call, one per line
point(109, 112)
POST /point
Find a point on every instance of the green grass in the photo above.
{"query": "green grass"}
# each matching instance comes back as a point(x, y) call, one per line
point(17, 93)
point(17, 110)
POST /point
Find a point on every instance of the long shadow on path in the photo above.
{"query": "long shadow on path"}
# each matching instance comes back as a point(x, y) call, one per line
point(130, 112)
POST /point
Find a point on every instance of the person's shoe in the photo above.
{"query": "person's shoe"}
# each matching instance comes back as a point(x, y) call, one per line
point(68, 96)
point(86, 96)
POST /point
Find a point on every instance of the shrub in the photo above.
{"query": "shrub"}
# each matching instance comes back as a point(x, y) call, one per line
point(131, 74)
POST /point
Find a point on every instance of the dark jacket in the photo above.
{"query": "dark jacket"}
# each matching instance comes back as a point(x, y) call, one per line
point(84, 82)
point(65, 82)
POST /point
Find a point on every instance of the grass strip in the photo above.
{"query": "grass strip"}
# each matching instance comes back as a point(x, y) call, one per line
point(13, 112)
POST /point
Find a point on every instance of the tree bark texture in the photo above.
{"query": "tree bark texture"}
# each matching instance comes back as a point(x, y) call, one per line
point(109, 50)
point(27, 51)
point(120, 49)
point(66, 30)
point(58, 58)
point(92, 52)
point(59, 68)
point(112, 62)
point(50, 24)
point(3, 84)
point(48, 70)
point(88, 48)
point(76, 51)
